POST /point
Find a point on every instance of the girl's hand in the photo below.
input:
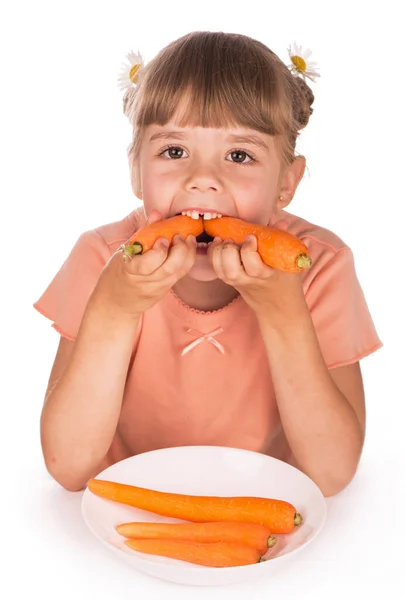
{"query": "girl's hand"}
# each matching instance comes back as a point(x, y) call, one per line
point(266, 290)
point(135, 284)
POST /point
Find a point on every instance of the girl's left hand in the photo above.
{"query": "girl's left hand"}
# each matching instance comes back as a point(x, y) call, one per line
point(266, 290)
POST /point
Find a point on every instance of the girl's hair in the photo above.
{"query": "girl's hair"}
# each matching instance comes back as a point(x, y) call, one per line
point(226, 80)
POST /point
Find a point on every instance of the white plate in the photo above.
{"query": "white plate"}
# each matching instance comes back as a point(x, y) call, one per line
point(205, 470)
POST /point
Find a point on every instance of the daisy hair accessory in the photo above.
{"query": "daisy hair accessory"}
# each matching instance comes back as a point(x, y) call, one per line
point(299, 65)
point(131, 71)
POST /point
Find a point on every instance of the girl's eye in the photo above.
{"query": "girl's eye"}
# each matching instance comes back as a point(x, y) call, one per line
point(173, 152)
point(240, 156)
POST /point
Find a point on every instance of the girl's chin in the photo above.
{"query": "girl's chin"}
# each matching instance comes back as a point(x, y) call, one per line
point(202, 269)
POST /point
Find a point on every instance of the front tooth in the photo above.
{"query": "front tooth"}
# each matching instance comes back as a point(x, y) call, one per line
point(195, 215)
point(208, 216)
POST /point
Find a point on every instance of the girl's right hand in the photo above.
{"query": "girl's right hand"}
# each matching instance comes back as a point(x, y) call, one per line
point(134, 285)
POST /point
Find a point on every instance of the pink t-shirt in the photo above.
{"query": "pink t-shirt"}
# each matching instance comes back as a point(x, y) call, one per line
point(219, 389)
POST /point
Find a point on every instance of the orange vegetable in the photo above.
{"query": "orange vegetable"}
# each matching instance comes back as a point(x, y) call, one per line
point(217, 554)
point(279, 516)
point(277, 248)
point(144, 238)
point(249, 534)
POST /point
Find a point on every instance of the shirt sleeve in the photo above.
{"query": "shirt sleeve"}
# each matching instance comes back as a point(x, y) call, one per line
point(339, 311)
point(65, 298)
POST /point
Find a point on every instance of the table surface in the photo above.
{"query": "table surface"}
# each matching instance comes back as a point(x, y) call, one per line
point(50, 551)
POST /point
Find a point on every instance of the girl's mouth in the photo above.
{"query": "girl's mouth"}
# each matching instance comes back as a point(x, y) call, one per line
point(203, 240)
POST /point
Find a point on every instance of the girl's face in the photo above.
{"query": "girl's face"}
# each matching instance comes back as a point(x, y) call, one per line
point(233, 172)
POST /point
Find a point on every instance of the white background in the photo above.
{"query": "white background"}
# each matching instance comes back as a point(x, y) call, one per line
point(64, 170)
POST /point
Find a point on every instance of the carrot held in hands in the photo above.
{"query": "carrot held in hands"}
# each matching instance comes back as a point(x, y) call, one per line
point(144, 238)
point(249, 534)
point(217, 554)
point(279, 516)
point(276, 247)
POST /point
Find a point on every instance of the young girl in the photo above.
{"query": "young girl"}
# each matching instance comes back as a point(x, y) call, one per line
point(195, 344)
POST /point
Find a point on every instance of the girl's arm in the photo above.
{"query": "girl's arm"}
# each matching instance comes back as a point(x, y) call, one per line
point(83, 405)
point(85, 391)
point(322, 411)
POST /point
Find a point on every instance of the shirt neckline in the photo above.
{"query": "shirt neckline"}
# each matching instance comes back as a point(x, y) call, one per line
point(220, 317)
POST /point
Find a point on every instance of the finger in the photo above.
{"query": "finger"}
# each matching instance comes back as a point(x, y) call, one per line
point(148, 263)
point(231, 261)
point(180, 258)
point(191, 244)
point(211, 247)
point(251, 260)
point(215, 256)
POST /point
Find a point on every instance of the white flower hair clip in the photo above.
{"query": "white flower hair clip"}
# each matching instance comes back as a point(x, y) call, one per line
point(130, 73)
point(300, 66)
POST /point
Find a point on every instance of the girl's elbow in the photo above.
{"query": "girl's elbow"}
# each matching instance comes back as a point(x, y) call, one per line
point(63, 475)
point(334, 483)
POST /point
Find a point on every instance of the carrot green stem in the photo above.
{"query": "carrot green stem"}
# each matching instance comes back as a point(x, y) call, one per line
point(271, 540)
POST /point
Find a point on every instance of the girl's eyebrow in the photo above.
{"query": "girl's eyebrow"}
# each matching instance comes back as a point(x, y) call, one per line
point(164, 135)
point(248, 139)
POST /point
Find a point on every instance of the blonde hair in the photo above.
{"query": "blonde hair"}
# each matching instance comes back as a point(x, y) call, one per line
point(227, 80)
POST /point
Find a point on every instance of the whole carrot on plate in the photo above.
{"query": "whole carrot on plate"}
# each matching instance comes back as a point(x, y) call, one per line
point(279, 516)
point(216, 554)
point(144, 238)
point(249, 534)
point(276, 247)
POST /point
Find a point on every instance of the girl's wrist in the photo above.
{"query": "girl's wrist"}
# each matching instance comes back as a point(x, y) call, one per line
point(111, 314)
point(285, 319)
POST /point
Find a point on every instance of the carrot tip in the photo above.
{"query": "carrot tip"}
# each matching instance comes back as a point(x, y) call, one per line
point(303, 261)
point(298, 520)
point(271, 541)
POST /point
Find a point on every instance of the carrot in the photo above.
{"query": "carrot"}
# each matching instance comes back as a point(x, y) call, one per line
point(279, 516)
point(144, 238)
point(249, 534)
point(216, 554)
point(277, 248)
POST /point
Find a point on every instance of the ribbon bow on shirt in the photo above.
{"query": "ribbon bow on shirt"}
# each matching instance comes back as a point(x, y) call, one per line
point(201, 337)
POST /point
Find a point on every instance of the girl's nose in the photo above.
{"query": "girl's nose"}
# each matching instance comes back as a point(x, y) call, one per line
point(204, 178)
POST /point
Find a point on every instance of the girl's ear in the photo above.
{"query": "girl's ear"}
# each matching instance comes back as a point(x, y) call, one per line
point(290, 180)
